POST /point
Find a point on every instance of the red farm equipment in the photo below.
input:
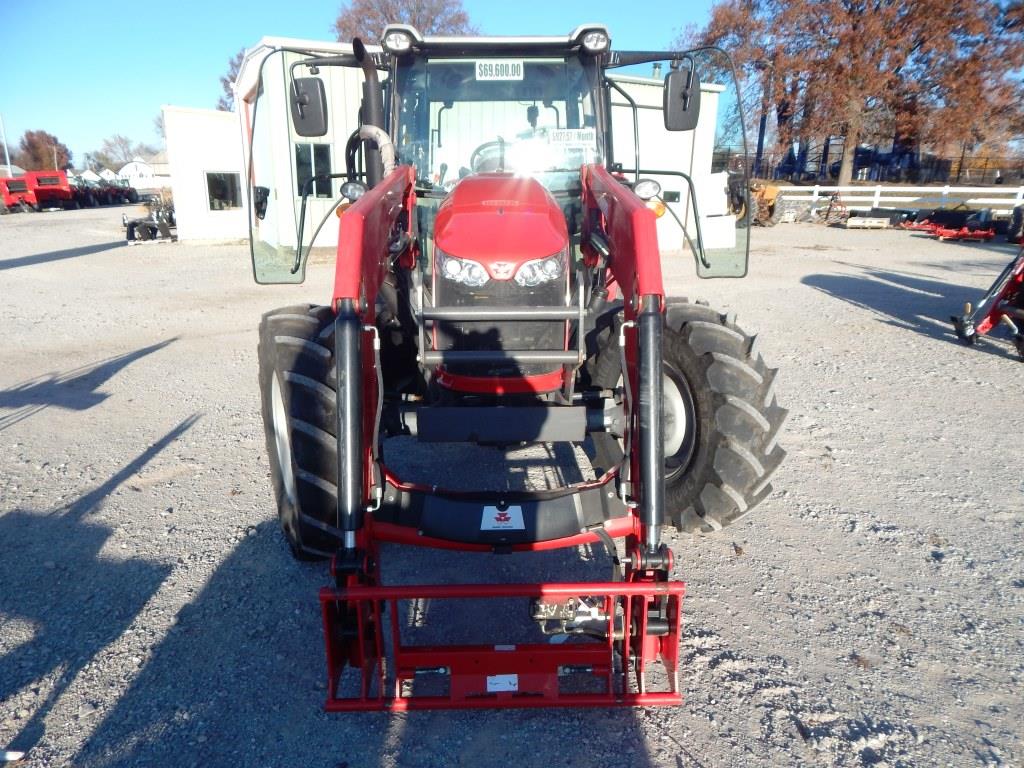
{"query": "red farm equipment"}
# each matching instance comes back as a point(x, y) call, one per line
point(51, 189)
point(960, 223)
point(16, 195)
point(498, 284)
point(1002, 303)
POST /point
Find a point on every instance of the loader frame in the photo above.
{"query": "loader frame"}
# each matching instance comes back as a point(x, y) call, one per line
point(527, 675)
point(1002, 303)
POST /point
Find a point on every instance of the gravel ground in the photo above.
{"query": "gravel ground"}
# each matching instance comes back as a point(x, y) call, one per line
point(868, 613)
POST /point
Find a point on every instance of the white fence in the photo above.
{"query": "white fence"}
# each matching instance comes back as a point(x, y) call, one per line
point(1002, 201)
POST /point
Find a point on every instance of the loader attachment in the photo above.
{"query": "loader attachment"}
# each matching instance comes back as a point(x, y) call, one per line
point(604, 642)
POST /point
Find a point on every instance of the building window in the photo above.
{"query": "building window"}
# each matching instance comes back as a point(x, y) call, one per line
point(224, 191)
point(313, 160)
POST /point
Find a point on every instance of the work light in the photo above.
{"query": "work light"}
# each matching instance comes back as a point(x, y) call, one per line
point(397, 41)
point(595, 41)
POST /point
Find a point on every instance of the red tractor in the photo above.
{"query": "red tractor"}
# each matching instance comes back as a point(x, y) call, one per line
point(16, 195)
point(498, 283)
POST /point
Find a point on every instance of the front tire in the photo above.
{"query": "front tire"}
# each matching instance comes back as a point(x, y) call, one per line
point(721, 422)
point(297, 389)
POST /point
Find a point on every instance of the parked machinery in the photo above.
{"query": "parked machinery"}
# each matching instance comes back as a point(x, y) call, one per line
point(51, 189)
point(16, 195)
point(498, 282)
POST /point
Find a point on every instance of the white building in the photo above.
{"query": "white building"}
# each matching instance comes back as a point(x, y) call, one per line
point(147, 174)
point(279, 170)
point(207, 180)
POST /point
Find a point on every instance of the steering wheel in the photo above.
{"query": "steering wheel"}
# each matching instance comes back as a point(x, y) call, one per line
point(479, 157)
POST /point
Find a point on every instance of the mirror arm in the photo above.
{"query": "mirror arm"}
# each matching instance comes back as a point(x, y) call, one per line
point(313, 62)
point(631, 58)
point(636, 124)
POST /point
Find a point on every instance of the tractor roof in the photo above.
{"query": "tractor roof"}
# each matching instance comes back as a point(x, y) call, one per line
point(455, 45)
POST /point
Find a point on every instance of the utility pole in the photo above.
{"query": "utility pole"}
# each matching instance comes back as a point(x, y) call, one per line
point(54, 147)
point(3, 135)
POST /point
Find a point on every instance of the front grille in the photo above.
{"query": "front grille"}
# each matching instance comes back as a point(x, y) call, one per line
point(488, 335)
point(17, 186)
point(48, 181)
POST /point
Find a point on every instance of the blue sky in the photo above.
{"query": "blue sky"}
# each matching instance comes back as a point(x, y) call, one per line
point(86, 70)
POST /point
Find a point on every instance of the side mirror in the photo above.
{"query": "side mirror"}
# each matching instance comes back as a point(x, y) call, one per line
point(260, 196)
point(682, 100)
point(309, 106)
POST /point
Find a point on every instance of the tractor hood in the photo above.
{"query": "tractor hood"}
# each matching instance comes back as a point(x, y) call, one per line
point(497, 217)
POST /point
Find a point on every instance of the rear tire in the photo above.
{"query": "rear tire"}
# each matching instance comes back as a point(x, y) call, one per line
point(722, 458)
point(297, 389)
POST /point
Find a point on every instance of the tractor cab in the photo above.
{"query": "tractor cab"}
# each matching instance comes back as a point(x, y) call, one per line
point(537, 107)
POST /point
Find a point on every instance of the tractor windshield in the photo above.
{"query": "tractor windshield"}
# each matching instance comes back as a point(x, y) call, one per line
point(529, 116)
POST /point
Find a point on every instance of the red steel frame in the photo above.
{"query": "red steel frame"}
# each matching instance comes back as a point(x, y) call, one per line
point(994, 300)
point(366, 229)
point(485, 676)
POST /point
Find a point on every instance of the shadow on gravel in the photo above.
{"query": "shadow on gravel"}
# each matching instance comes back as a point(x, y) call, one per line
point(76, 602)
point(73, 390)
point(239, 680)
point(994, 249)
point(904, 300)
point(67, 253)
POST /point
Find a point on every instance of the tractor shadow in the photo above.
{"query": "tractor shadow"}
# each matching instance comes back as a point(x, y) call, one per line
point(74, 390)
point(904, 300)
point(67, 253)
point(67, 600)
point(240, 678)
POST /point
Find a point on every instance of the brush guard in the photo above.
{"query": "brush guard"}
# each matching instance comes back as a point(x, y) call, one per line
point(641, 624)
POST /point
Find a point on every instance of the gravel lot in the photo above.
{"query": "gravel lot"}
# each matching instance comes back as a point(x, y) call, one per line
point(869, 613)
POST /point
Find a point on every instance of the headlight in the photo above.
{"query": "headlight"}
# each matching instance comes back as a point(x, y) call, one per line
point(541, 270)
point(353, 190)
point(397, 41)
point(645, 189)
point(465, 271)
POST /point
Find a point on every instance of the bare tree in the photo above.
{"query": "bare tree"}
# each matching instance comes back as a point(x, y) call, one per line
point(226, 103)
point(864, 67)
point(366, 19)
point(115, 152)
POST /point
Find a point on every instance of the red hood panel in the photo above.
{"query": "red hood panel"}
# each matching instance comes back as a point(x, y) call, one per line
point(498, 217)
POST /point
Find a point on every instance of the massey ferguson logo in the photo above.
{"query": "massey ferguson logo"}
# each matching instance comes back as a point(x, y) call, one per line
point(509, 519)
point(502, 270)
